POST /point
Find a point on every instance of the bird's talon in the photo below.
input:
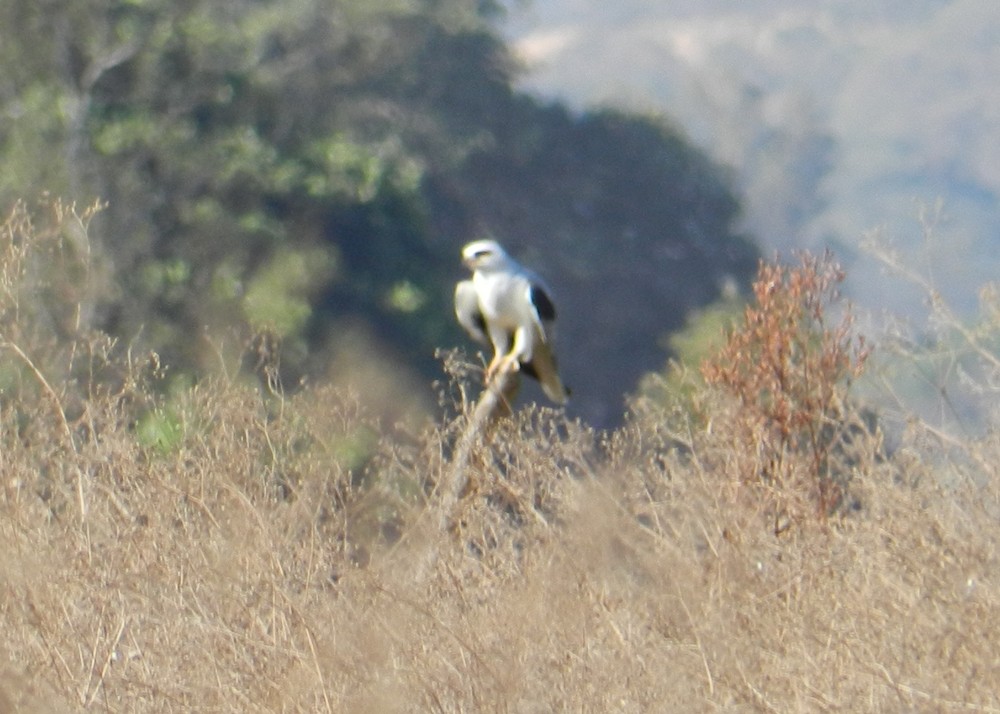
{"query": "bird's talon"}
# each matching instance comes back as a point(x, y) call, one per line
point(507, 364)
point(502, 365)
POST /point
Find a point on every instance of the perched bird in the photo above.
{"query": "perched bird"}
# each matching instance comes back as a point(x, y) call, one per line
point(509, 307)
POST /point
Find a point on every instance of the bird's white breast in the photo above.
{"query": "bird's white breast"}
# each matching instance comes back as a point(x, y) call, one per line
point(501, 297)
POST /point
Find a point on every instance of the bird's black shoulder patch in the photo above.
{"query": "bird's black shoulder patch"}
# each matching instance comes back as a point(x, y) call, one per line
point(546, 310)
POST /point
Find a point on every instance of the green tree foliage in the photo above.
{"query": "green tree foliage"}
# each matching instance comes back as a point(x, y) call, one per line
point(289, 166)
point(229, 141)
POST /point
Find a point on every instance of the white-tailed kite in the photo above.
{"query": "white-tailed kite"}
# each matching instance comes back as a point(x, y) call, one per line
point(509, 307)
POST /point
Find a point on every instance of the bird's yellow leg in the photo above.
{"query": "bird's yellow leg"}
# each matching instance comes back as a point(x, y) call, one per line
point(510, 362)
point(491, 368)
point(502, 363)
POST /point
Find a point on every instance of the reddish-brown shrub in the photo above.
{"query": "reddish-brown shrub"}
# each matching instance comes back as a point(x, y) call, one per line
point(790, 369)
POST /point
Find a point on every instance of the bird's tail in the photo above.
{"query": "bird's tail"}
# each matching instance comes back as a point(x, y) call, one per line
point(555, 390)
point(543, 368)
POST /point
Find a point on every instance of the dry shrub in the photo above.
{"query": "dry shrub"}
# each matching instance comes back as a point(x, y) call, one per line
point(161, 548)
point(271, 552)
point(789, 371)
point(640, 597)
point(177, 579)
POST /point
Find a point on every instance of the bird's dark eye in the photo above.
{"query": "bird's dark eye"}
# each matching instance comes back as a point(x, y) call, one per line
point(481, 253)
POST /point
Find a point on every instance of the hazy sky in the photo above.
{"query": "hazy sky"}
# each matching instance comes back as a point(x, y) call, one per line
point(836, 119)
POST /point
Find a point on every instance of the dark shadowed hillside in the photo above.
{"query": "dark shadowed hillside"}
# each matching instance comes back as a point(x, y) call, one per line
point(632, 225)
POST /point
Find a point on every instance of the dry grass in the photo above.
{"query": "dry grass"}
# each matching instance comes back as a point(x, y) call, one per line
point(250, 551)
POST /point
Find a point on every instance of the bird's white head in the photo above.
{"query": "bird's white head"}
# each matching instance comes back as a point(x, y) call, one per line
point(484, 255)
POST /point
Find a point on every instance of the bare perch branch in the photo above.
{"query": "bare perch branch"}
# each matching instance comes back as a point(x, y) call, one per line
point(494, 403)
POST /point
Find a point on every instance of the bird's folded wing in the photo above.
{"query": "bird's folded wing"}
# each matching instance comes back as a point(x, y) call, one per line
point(468, 313)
